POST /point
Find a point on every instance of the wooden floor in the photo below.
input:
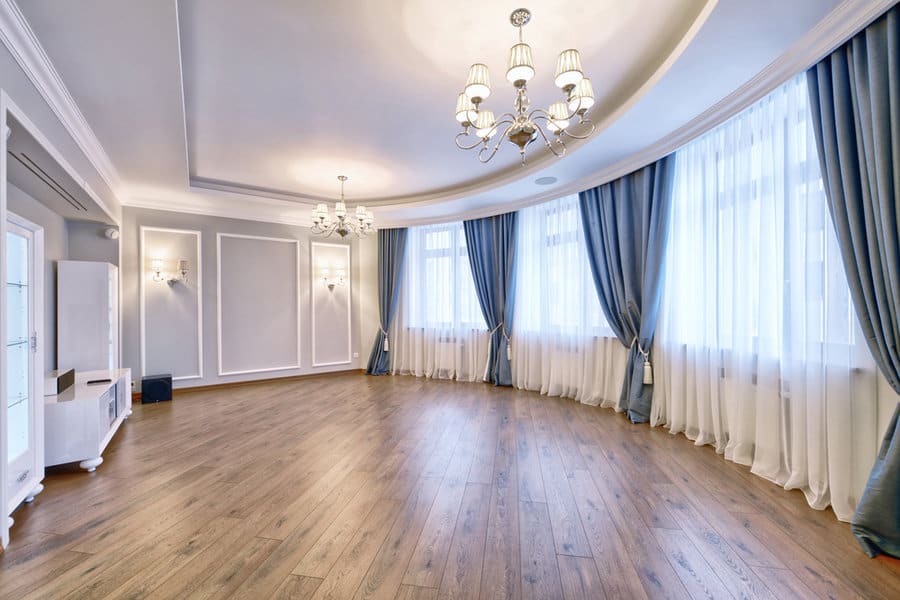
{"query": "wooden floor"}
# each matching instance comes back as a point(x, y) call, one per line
point(380, 487)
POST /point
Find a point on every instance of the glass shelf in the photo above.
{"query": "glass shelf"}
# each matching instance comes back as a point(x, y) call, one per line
point(16, 400)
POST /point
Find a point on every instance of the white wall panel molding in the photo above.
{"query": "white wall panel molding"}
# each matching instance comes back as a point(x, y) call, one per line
point(267, 325)
point(195, 274)
point(331, 314)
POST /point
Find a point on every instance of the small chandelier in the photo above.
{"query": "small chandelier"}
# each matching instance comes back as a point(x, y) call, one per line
point(324, 224)
point(522, 127)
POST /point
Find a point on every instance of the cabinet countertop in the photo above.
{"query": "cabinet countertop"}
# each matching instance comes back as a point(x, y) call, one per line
point(81, 391)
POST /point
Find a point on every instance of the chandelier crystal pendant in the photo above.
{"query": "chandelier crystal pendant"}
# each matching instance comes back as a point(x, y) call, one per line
point(523, 126)
point(361, 223)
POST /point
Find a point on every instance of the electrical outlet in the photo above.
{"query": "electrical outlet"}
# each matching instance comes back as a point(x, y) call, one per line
point(356, 355)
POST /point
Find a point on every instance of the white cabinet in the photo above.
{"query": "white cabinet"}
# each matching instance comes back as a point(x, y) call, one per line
point(87, 309)
point(23, 421)
point(80, 422)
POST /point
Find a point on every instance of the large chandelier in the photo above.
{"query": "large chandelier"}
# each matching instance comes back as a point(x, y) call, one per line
point(361, 223)
point(523, 126)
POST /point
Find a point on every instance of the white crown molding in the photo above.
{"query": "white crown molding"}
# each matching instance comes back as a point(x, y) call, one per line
point(250, 209)
point(18, 37)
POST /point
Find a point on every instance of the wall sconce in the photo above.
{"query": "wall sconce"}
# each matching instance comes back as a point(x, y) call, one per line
point(181, 270)
point(331, 281)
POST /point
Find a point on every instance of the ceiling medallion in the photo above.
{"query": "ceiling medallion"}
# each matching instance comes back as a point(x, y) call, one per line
point(523, 126)
point(361, 223)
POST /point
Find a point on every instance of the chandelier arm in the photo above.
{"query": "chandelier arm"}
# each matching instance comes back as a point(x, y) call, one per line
point(549, 144)
point(585, 136)
point(463, 135)
point(503, 120)
point(496, 147)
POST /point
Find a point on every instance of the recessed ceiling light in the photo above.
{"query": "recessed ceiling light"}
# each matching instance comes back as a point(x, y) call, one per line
point(545, 180)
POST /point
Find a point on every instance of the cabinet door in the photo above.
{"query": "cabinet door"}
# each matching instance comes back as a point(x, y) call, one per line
point(22, 435)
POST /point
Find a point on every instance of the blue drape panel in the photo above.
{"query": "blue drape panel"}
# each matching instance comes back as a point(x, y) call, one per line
point(855, 100)
point(491, 245)
point(391, 252)
point(626, 225)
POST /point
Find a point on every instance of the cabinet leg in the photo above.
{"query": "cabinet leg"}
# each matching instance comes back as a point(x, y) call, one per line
point(37, 490)
point(91, 465)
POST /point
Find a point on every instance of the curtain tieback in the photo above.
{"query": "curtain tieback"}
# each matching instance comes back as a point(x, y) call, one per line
point(648, 368)
point(385, 347)
point(502, 327)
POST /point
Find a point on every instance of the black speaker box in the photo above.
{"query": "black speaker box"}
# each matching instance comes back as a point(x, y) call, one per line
point(156, 388)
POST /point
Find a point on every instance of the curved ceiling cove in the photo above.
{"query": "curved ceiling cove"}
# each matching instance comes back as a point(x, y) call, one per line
point(251, 109)
point(368, 89)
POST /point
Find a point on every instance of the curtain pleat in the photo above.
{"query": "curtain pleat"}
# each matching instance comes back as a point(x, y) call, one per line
point(855, 102)
point(491, 244)
point(391, 252)
point(626, 223)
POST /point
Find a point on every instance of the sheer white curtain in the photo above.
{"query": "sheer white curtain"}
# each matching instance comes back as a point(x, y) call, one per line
point(439, 330)
point(562, 345)
point(757, 351)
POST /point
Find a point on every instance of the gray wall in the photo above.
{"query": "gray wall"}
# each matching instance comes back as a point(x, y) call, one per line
point(87, 242)
point(55, 248)
point(161, 300)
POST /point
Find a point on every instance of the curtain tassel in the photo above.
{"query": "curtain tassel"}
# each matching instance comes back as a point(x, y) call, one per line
point(385, 347)
point(648, 368)
point(648, 372)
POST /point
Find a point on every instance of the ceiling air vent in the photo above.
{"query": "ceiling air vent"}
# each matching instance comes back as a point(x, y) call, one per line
point(48, 180)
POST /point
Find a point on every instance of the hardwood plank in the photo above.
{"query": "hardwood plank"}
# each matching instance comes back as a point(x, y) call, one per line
point(383, 578)
point(462, 575)
point(351, 566)
point(696, 574)
point(528, 466)
point(620, 580)
point(783, 583)
point(427, 563)
point(579, 578)
point(568, 531)
point(414, 592)
point(296, 587)
point(501, 573)
point(540, 572)
point(654, 571)
point(800, 561)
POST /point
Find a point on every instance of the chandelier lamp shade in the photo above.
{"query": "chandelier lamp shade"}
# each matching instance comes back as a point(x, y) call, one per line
point(524, 125)
point(325, 223)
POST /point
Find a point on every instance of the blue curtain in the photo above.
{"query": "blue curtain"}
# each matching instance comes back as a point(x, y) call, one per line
point(626, 225)
point(855, 100)
point(391, 252)
point(491, 245)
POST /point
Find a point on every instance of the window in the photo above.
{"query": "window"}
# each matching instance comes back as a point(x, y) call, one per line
point(441, 292)
point(554, 287)
point(752, 263)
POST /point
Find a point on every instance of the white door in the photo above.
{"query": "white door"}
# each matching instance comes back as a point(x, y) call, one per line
point(21, 345)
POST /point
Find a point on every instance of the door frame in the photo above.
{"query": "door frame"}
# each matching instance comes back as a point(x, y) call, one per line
point(36, 286)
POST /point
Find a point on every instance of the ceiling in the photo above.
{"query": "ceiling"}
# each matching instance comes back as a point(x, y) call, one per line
point(252, 109)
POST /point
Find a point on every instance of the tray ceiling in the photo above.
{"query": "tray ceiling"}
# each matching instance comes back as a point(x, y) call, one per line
point(253, 108)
